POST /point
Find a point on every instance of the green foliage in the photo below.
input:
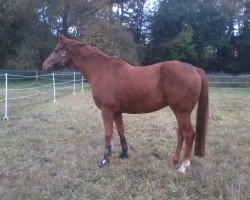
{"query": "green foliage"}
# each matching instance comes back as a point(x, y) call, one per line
point(29, 27)
point(132, 15)
point(25, 39)
point(214, 40)
point(113, 39)
point(211, 34)
point(181, 47)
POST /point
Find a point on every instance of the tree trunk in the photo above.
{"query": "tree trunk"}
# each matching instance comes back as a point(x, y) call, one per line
point(65, 16)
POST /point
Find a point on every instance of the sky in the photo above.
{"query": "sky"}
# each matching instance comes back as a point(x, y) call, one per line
point(151, 3)
point(148, 6)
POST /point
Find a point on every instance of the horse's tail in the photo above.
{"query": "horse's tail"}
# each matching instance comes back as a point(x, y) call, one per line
point(202, 116)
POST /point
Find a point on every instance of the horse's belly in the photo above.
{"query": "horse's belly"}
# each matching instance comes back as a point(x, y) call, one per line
point(146, 105)
point(142, 110)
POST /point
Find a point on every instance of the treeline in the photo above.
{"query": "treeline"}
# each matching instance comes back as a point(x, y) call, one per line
point(213, 34)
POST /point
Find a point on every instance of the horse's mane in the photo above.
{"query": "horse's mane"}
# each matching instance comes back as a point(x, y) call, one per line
point(100, 53)
point(96, 51)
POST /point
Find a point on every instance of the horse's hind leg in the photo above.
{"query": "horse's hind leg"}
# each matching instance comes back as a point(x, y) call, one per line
point(120, 129)
point(186, 134)
point(180, 140)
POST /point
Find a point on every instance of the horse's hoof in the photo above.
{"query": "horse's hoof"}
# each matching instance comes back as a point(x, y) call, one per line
point(123, 155)
point(184, 166)
point(175, 161)
point(104, 163)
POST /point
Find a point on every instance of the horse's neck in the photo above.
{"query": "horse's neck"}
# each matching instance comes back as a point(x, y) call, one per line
point(91, 66)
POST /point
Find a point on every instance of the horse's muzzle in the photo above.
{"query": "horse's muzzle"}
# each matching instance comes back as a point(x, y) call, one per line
point(47, 67)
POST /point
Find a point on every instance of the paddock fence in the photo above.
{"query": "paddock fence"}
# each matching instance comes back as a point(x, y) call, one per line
point(23, 89)
point(34, 87)
point(229, 81)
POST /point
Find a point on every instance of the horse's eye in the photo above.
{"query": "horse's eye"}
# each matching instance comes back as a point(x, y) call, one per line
point(63, 54)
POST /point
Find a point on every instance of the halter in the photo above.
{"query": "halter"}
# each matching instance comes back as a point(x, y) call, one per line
point(61, 60)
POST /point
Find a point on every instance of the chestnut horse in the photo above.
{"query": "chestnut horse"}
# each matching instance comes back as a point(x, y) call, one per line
point(118, 87)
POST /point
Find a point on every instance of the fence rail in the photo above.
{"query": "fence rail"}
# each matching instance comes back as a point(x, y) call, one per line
point(26, 85)
point(241, 81)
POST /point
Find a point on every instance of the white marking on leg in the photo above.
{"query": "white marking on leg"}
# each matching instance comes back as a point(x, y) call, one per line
point(184, 166)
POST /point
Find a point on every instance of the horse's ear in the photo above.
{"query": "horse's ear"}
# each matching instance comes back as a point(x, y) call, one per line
point(61, 38)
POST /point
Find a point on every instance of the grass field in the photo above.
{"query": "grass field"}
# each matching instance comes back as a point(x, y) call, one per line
point(51, 151)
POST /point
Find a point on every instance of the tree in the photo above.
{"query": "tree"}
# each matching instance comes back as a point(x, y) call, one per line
point(216, 40)
point(167, 25)
point(113, 39)
point(244, 40)
point(28, 30)
point(213, 34)
point(131, 14)
point(181, 47)
point(21, 35)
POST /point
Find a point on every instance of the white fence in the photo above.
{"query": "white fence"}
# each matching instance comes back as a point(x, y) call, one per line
point(17, 87)
point(240, 81)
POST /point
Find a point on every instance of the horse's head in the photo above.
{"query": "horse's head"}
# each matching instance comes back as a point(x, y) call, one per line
point(60, 57)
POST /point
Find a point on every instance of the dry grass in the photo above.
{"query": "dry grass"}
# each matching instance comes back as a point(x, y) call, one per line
point(51, 150)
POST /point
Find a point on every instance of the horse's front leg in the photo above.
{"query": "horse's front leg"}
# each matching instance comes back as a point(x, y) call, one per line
point(108, 117)
point(120, 129)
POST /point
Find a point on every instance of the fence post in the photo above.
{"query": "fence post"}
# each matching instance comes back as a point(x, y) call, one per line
point(36, 75)
point(74, 84)
point(82, 83)
point(54, 87)
point(6, 98)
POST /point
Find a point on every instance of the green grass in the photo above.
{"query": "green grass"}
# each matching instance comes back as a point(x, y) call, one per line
point(51, 150)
